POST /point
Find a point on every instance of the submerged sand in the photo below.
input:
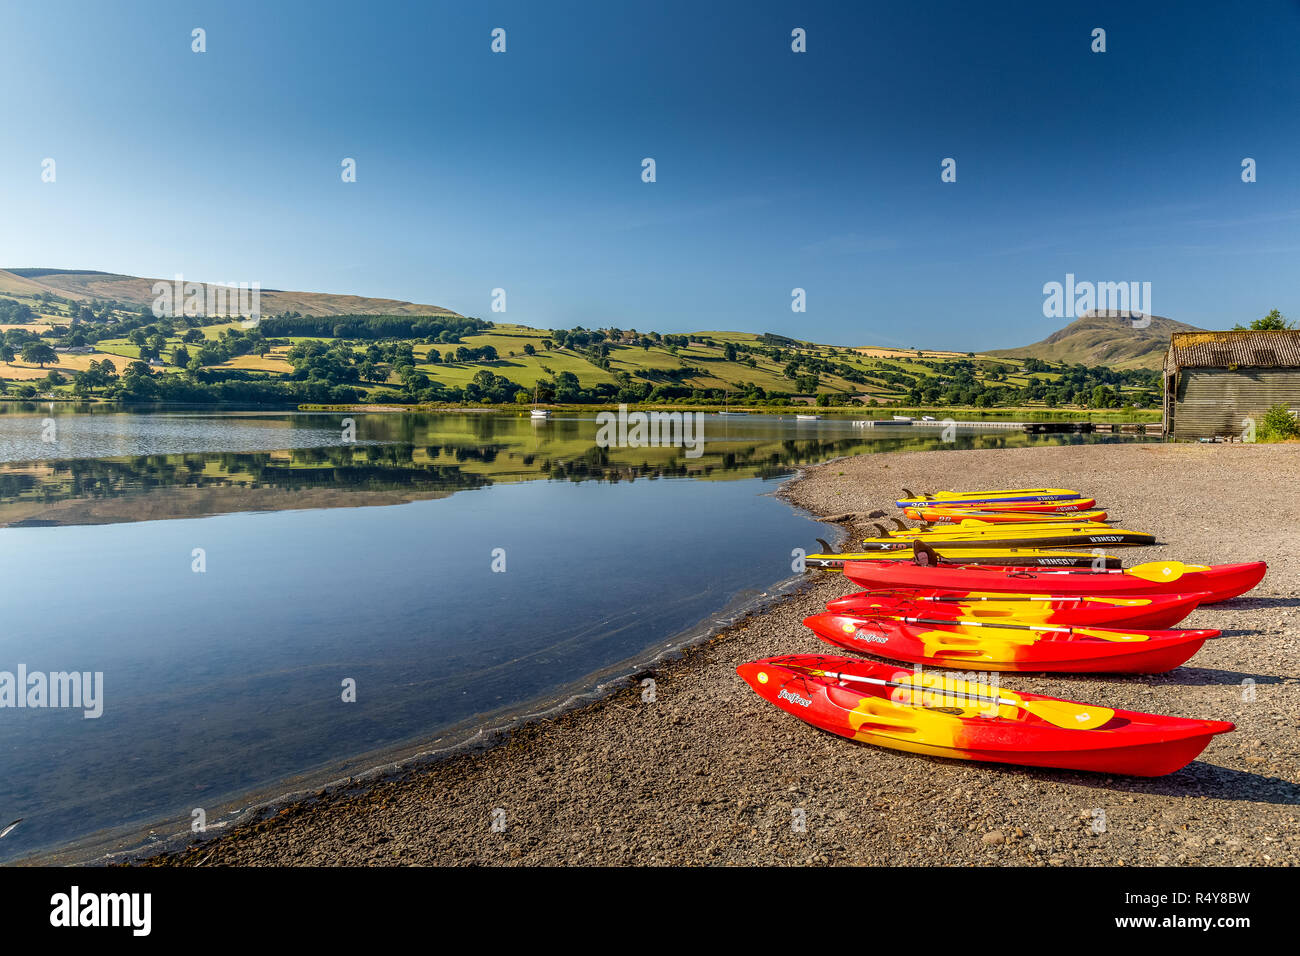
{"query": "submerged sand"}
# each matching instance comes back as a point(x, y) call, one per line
point(707, 773)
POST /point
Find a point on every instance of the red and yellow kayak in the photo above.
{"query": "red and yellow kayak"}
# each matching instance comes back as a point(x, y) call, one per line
point(1010, 646)
point(1217, 582)
point(1154, 611)
point(934, 714)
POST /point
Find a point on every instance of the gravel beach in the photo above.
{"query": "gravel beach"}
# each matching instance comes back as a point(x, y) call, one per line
point(707, 773)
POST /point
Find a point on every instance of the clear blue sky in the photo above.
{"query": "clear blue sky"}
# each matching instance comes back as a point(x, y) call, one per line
point(775, 170)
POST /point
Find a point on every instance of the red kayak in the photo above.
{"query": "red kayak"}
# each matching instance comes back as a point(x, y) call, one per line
point(982, 645)
point(1153, 611)
point(932, 713)
point(1218, 582)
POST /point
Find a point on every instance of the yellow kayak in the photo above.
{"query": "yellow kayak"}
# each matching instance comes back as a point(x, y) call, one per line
point(1014, 536)
point(988, 497)
point(1026, 557)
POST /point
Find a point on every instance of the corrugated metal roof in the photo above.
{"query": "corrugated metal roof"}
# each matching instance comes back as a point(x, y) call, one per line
point(1245, 349)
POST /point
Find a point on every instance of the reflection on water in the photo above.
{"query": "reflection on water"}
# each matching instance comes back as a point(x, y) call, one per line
point(193, 464)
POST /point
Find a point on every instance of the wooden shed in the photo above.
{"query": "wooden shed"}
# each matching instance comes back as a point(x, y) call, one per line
point(1216, 380)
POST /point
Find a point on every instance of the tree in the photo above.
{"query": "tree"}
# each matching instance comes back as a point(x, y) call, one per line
point(1273, 322)
point(1278, 424)
point(7, 354)
point(40, 353)
point(529, 349)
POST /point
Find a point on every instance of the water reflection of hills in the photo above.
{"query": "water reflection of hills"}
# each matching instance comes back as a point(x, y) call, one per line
point(397, 459)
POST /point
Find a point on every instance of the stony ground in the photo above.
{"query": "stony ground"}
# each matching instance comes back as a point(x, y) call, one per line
point(707, 773)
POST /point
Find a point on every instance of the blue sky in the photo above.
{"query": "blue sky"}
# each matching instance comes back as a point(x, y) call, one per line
point(775, 170)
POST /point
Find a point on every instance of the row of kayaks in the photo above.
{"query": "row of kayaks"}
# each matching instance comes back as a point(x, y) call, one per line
point(928, 604)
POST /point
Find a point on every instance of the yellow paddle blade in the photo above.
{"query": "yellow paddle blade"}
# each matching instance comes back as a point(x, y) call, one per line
point(1122, 637)
point(1160, 570)
point(1064, 713)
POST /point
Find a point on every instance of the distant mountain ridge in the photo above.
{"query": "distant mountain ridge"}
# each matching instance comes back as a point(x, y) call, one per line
point(1105, 338)
point(84, 285)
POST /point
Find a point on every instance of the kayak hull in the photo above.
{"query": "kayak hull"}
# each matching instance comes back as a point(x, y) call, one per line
point(1152, 612)
point(1219, 582)
point(1131, 743)
point(1001, 649)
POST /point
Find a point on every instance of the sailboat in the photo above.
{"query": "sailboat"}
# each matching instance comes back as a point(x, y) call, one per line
point(538, 413)
point(726, 400)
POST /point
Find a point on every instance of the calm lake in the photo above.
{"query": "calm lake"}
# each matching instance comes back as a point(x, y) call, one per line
point(229, 573)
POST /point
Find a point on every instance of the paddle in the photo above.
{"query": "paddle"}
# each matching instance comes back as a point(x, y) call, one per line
point(1159, 570)
point(1123, 636)
point(1059, 713)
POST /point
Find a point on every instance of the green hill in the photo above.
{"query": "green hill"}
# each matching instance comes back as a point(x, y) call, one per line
point(87, 285)
point(1105, 339)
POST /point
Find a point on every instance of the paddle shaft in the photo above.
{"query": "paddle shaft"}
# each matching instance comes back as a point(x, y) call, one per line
point(963, 623)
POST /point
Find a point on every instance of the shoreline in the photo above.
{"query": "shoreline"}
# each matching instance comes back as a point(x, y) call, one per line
point(707, 773)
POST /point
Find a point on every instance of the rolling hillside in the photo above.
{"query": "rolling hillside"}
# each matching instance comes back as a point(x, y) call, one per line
point(85, 285)
point(351, 348)
point(1104, 339)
